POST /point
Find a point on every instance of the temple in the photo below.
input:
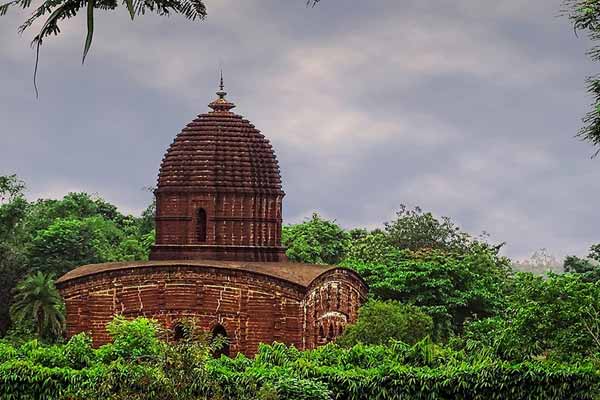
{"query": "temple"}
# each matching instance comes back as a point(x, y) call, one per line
point(218, 256)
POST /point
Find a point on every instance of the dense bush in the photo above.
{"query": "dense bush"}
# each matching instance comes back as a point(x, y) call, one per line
point(138, 365)
point(557, 317)
point(380, 321)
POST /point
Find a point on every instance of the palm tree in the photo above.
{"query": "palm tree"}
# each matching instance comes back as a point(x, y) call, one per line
point(37, 299)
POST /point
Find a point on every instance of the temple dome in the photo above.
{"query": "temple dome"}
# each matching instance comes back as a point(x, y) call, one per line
point(220, 151)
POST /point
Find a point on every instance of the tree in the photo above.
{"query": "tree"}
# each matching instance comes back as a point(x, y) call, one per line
point(37, 299)
point(372, 247)
point(380, 321)
point(316, 241)
point(69, 243)
point(450, 287)
point(585, 16)
point(588, 268)
point(416, 229)
point(13, 267)
point(556, 317)
point(13, 263)
point(56, 235)
point(10, 187)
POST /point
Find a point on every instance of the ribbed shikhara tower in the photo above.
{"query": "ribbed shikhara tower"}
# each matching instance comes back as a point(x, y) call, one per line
point(218, 257)
point(219, 192)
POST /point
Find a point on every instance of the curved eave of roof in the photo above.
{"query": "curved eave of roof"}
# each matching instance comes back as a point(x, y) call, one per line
point(296, 273)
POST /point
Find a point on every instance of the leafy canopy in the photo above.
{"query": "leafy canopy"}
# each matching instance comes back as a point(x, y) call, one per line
point(450, 287)
point(315, 241)
point(416, 229)
point(588, 268)
point(557, 317)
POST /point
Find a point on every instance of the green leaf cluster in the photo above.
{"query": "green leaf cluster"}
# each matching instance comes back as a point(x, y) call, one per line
point(315, 241)
point(382, 321)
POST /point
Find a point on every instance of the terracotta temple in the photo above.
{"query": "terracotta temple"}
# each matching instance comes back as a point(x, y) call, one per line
point(218, 256)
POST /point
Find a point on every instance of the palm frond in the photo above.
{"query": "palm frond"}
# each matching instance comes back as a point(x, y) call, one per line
point(21, 3)
point(90, 29)
point(65, 10)
point(192, 9)
point(130, 8)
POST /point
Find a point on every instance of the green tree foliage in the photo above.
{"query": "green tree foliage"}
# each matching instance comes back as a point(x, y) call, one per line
point(379, 322)
point(557, 317)
point(451, 288)
point(588, 268)
point(416, 229)
point(315, 241)
point(13, 263)
point(37, 300)
point(10, 187)
point(373, 247)
point(54, 236)
point(12, 269)
point(585, 16)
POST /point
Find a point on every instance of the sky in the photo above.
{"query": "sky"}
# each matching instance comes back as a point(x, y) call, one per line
point(465, 108)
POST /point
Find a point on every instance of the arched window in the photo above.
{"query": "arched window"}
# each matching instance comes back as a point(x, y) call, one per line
point(321, 332)
point(330, 333)
point(219, 331)
point(201, 225)
point(340, 330)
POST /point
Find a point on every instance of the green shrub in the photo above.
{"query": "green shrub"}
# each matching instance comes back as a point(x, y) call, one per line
point(380, 321)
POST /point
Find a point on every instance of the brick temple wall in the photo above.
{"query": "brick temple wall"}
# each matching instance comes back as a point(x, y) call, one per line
point(239, 226)
point(252, 308)
point(331, 303)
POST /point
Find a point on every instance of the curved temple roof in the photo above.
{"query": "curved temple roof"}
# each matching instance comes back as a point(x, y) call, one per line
point(299, 274)
point(220, 150)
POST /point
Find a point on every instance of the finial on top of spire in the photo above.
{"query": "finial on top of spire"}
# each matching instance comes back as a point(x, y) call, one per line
point(221, 104)
point(221, 93)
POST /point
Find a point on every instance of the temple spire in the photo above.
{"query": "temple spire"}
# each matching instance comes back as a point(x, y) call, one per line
point(221, 104)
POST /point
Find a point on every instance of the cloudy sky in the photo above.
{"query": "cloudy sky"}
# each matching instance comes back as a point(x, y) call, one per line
point(467, 108)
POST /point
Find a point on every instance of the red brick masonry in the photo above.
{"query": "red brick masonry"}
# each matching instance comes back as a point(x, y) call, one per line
point(219, 193)
point(298, 304)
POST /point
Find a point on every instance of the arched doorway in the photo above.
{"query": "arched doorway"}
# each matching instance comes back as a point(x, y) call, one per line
point(178, 332)
point(219, 331)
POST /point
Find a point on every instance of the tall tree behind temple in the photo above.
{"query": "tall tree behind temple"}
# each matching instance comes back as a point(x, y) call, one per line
point(53, 236)
point(13, 263)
